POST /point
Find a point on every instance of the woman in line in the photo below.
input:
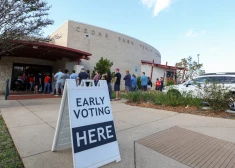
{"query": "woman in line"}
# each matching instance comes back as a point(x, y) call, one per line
point(134, 83)
point(96, 78)
point(158, 85)
point(149, 86)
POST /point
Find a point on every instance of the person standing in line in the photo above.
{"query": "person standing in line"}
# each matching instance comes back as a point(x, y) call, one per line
point(58, 76)
point(38, 82)
point(96, 78)
point(149, 87)
point(127, 79)
point(82, 76)
point(43, 75)
point(74, 75)
point(158, 85)
point(53, 82)
point(47, 84)
point(64, 77)
point(144, 81)
point(31, 82)
point(24, 79)
point(162, 84)
point(89, 77)
point(117, 82)
point(134, 83)
point(88, 73)
point(108, 78)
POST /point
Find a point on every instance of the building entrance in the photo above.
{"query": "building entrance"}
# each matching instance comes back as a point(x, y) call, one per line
point(28, 69)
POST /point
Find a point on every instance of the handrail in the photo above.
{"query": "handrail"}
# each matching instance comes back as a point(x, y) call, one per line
point(7, 89)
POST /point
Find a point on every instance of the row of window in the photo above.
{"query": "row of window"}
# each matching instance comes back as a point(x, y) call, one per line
point(217, 79)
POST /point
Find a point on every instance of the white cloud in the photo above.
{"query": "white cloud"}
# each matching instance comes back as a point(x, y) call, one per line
point(158, 5)
point(191, 33)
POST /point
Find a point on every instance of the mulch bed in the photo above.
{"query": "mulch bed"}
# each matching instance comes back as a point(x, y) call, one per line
point(187, 110)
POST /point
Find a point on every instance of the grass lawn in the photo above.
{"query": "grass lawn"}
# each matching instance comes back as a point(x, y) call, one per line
point(9, 156)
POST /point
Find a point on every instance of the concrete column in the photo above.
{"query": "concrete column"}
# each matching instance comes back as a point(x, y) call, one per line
point(78, 68)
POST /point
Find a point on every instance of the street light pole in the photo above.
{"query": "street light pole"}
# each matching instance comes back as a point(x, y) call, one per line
point(198, 58)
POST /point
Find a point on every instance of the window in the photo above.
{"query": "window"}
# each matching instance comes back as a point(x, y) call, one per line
point(216, 79)
point(200, 80)
point(229, 80)
point(222, 79)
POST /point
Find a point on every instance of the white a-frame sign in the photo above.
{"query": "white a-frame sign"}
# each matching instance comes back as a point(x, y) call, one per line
point(85, 122)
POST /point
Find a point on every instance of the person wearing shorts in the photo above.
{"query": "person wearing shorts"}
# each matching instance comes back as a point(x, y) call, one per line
point(117, 82)
point(158, 85)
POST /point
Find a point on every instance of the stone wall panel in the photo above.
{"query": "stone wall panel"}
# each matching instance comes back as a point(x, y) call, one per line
point(6, 65)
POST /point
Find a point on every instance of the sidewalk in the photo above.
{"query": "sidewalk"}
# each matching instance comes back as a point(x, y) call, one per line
point(32, 124)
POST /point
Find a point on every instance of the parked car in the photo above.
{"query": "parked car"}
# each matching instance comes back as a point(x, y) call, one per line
point(191, 86)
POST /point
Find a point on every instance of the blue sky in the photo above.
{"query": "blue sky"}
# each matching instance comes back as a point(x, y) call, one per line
point(177, 28)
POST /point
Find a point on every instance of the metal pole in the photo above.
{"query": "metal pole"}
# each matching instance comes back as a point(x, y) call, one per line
point(164, 72)
point(151, 75)
point(175, 72)
point(134, 156)
point(198, 58)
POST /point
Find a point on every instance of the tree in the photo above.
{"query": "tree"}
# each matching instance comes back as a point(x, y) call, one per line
point(193, 69)
point(102, 66)
point(22, 20)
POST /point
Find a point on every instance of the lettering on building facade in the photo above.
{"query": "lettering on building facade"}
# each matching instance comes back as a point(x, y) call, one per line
point(125, 40)
point(86, 31)
point(144, 47)
point(128, 41)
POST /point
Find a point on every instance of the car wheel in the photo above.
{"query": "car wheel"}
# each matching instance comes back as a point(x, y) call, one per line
point(232, 104)
point(174, 92)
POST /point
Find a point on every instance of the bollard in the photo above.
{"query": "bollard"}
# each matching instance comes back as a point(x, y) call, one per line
point(7, 89)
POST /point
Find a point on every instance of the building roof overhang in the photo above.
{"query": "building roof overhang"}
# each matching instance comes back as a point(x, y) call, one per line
point(46, 51)
point(161, 65)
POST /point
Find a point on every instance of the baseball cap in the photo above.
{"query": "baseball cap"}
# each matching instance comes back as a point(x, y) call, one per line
point(117, 69)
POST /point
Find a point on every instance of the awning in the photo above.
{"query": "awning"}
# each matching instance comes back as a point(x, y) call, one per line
point(47, 51)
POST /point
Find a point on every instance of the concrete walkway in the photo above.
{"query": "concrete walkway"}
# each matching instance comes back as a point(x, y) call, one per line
point(32, 125)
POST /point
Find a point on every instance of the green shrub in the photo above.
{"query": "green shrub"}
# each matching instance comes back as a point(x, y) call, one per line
point(138, 82)
point(134, 96)
point(170, 99)
point(216, 95)
point(170, 82)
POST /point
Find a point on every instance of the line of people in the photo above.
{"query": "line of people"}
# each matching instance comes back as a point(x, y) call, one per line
point(44, 83)
point(33, 82)
point(55, 83)
point(146, 83)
